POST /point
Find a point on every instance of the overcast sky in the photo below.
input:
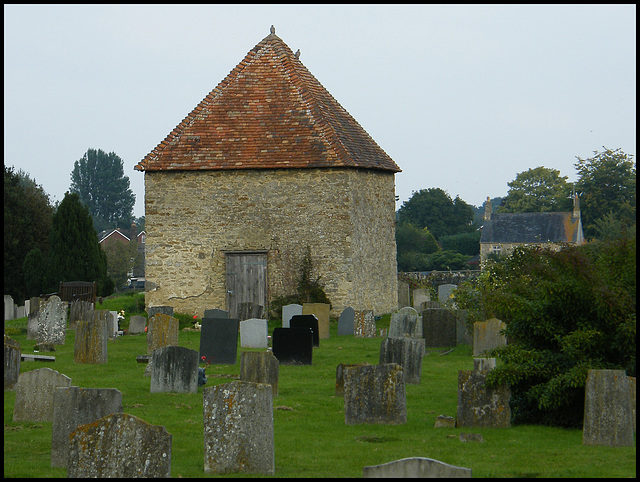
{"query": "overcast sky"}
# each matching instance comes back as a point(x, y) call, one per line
point(461, 97)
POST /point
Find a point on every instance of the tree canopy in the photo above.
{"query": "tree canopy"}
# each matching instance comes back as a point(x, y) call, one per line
point(538, 190)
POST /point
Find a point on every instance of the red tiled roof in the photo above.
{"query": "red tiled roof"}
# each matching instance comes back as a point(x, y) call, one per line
point(269, 112)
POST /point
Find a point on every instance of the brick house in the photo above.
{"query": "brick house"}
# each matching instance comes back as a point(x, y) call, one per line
point(501, 232)
point(268, 164)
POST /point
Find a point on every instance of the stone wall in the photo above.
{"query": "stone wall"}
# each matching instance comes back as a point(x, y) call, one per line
point(346, 216)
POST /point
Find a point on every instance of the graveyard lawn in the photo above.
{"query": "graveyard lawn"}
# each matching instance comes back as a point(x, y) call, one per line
point(310, 434)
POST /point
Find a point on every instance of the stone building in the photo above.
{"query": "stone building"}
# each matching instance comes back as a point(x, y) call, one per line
point(268, 164)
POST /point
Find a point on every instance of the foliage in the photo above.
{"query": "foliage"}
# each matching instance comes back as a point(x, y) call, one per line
point(98, 179)
point(606, 184)
point(33, 270)
point(120, 258)
point(463, 243)
point(538, 190)
point(28, 215)
point(413, 245)
point(566, 312)
point(74, 253)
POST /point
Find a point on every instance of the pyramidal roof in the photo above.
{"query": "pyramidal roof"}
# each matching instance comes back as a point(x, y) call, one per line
point(270, 112)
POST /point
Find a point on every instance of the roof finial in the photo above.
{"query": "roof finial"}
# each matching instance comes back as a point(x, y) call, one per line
point(297, 54)
point(273, 29)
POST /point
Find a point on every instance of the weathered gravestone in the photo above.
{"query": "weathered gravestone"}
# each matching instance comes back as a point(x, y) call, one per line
point(288, 311)
point(444, 421)
point(364, 324)
point(445, 293)
point(404, 294)
point(91, 338)
point(219, 340)
point(415, 467)
point(420, 296)
point(439, 327)
point(253, 333)
point(162, 330)
point(34, 394)
point(119, 445)
point(78, 310)
point(248, 310)
point(9, 308)
point(11, 362)
point(406, 352)
point(374, 394)
point(260, 367)
point(487, 336)
point(174, 369)
point(478, 405)
point(307, 321)
point(164, 310)
point(340, 376)
point(216, 313)
point(293, 346)
point(52, 321)
point(321, 312)
point(137, 324)
point(113, 324)
point(34, 317)
point(75, 406)
point(405, 322)
point(238, 428)
point(608, 418)
point(346, 321)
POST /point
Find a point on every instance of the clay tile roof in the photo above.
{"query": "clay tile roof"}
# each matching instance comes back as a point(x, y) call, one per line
point(270, 112)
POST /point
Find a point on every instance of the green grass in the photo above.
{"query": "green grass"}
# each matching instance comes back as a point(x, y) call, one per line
point(311, 438)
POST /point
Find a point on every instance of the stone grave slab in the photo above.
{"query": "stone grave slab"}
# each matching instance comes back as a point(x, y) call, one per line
point(78, 310)
point(288, 311)
point(27, 357)
point(307, 321)
point(340, 376)
point(34, 317)
point(260, 367)
point(165, 310)
point(174, 369)
point(445, 293)
point(293, 346)
point(406, 352)
point(415, 467)
point(137, 324)
point(253, 333)
point(487, 336)
point(322, 313)
point(405, 322)
point(478, 405)
point(91, 338)
point(346, 321)
point(162, 330)
point(34, 394)
point(219, 340)
point(420, 295)
point(216, 313)
point(364, 324)
point(439, 327)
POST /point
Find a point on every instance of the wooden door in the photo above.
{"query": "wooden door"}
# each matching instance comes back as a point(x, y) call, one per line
point(246, 281)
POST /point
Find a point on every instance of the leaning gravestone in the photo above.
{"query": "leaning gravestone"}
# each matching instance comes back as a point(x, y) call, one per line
point(75, 406)
point(238, 428)
point(91, 338)
point(487, 336)
point(405, 322)
point(137, 324)
point(174, 369)
point(119, 445)
point(34, 317)
point(52, 321)
point(439, 327)
point(608, 416)
point(162, 330)
point(164, 310)
point(406, 352)
point(415, 467)
point(293, 346)
point(374, 394)
point(364, 324)
point(307, 321)
point(321, 312)
point(253, 333)
point(219, 340)
point(346, 321)
point(260, 367)
point(34, 394)
point(288, 311)
point(11, 362)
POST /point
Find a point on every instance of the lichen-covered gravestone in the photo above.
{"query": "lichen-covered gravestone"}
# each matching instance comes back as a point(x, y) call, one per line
point(91, 338)
point(34, 394)
point(364, 324)
point(260, 367)
point(137, 324)
point(487, 336)
point(238, 428)
point(52, 321)
point(406, 352)
point(174, 369)
point(162, 330)
point(405, 322)
point(321, 312)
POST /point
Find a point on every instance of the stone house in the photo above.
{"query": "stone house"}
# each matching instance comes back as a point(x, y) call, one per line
point(501, 232)
point(266, 165)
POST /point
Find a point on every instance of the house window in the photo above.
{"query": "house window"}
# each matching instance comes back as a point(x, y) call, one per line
point(496, 249)
point(142, 238)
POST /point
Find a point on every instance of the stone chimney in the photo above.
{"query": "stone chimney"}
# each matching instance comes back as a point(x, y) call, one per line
point(487, 209)
point(576, 206)
point(133, 232)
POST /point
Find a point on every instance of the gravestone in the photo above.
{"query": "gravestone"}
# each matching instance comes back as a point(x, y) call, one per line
point(445, 293)
point(9, 308)
point(405, 322)
point(415, 467)
point(346, 321)
point(216, 313)
point(137, 324)
point(91, 338)
point(260, 367)
point(162, 330)
point(487, 336)
point(321, 312)
point(608, 418)
point(174, 369)
point(364, 324)
point(404, 294)
point(73, 406)
point(374, 394)
point(34, 394)
point(464, 333)
point(11, 362)
point(119, 445)
point(113, 324)
point(439, 327)
point(420, 295)
point(34, 318)
point(307, 321)
point(248, 310)
point(340, 376)
point(444, 421)
point(165, 310)
point(78, 310)
point(219, 340)
point(406, 352)
point(52, 321)
point(288, 311)
point(478, 405)
point(293, 346)
point(238, 428)
point(632, 391)
point(253, 333)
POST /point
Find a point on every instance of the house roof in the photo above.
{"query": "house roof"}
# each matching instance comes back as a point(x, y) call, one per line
point(269, 112)
point(114, 232)
point(532, 228)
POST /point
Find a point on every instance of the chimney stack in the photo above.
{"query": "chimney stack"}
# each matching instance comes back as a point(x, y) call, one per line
point(487, 209)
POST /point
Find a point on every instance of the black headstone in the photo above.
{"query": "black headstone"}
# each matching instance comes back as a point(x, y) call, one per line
point(219, 340)
point(216, 313)
point(293, 346)
point(307, 321)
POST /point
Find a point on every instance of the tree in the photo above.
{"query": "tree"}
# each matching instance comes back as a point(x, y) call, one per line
point(434, 209)
point(463, 243)
point(74, 253)
point(120, 260)
point(98, 179)
point(413, 244)
point(536, 191)
point(606, 184)
point(28, 216)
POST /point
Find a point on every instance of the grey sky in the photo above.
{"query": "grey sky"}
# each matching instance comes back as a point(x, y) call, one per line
point(461, 97)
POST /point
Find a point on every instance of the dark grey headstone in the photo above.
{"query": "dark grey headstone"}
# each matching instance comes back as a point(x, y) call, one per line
point(219, 340)
point(439, 327)
point(216, 313)
point(293, 346)
point(346, 320)
point(248, 310)
point(165, 310)
point(405, 322)
point(174, 369)
point(406, 352)
point(307, 321)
